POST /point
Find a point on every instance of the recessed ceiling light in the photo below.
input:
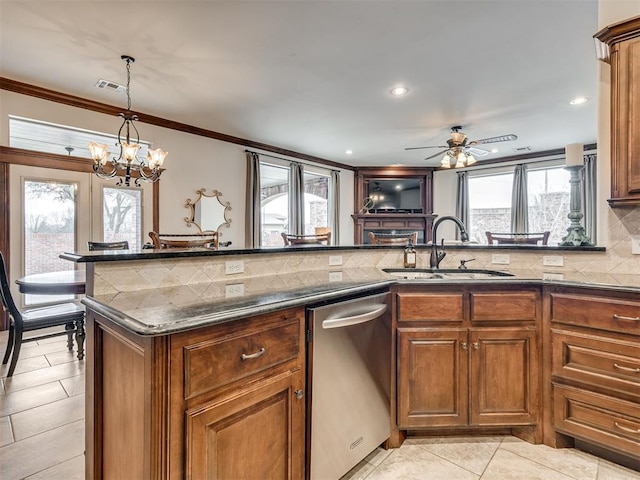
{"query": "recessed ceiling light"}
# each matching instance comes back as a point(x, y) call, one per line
point(399, 91)
point(578, 101)
point(494, 150)
point(398, 187)
point(349, 152)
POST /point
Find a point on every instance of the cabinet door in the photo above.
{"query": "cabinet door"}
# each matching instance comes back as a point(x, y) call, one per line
point(432, 377)
point(504, 376)
point(254, 433)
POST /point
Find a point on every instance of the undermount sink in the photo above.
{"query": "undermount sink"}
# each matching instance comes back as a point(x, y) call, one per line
point(443, 273)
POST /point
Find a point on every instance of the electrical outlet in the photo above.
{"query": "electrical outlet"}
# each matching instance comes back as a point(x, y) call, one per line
point(500, 259)
point(552, 260)
point(335, 276)
point(233, 266)
point(635, 244)
point(335, 260)
point(234, 290)
point(552, 276)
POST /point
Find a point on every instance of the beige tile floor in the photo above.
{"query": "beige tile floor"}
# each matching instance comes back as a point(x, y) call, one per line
point(42, 436)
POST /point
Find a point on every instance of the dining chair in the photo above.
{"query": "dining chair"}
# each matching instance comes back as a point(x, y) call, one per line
point(393, 238)
point(518, 238)
point(68, 314)
point(291, 239)
point(184, 240)
point(95, 246)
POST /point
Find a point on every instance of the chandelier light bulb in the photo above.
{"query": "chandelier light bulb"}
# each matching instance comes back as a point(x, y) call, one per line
point(155, 158)
point(129, 151)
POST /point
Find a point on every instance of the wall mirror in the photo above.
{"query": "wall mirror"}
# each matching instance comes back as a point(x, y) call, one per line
point(207, 212)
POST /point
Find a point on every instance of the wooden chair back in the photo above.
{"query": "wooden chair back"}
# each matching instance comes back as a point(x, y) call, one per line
point(67, 314)
point(518, 238)
point(393, 238)
point(184, 240)
point(95, 246)
point(291, 239)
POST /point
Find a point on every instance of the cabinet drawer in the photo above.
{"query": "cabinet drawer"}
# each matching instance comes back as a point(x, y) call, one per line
point(492, 306)
point(612, 314)
point(606, 363)
point(218, 361)
point(442, 307)
point(607, 421)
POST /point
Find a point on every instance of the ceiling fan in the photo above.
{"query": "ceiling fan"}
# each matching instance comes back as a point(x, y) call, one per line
point(460, 151)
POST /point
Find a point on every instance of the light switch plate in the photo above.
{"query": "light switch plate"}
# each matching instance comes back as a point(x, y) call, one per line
point(635, 244)
point(500, 259)
point(552, 260)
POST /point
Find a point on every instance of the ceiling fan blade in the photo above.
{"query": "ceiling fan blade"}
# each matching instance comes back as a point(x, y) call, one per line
point(437, 154)
point(501, 138)
point(478, 152)
point(431, 146)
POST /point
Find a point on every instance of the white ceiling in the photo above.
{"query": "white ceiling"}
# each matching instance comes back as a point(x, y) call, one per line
point(314, 76)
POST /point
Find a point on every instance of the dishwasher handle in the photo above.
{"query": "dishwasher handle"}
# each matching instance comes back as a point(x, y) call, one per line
point(355, 319)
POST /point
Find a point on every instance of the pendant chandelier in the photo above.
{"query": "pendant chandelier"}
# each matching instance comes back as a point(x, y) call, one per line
point(127, 161)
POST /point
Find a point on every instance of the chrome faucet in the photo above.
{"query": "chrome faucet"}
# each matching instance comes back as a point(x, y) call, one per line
point(437, 256)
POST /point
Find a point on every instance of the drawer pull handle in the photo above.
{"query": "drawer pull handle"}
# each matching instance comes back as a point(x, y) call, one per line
point(626, 369)
point(259, 353)
point(627, 429)
point(620, 317)
point(476, 345)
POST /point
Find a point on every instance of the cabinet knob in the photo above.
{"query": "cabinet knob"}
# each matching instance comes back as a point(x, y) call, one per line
point(299, 394)
point(476, 345)
point(464, 345)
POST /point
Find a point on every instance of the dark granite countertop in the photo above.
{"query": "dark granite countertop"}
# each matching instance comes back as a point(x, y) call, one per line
point(119, 255)
point(168, 310)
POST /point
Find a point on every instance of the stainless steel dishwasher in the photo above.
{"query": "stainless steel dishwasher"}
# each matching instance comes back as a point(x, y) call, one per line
point(348, 382)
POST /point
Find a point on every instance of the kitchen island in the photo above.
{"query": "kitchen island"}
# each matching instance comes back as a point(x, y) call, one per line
point(166, 342)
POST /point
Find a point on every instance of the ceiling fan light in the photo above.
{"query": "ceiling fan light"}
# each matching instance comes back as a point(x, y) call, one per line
point(459, 163)
point(445, 162)
point(470, 159)
point(458, 137)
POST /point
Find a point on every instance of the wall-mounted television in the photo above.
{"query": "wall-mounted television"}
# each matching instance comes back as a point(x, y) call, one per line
point(395, 195)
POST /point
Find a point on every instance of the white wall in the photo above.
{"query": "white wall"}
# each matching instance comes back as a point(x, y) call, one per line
point(193, 162)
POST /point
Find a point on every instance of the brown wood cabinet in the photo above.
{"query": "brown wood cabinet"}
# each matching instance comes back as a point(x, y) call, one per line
point(467, 356)
point(595, 367)
point(223, 401)
point(622, 47)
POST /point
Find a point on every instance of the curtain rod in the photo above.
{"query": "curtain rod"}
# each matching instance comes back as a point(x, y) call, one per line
point(517, 162)
point(287, 160)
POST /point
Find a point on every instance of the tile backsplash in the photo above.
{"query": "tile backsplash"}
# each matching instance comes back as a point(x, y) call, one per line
point(616, 265)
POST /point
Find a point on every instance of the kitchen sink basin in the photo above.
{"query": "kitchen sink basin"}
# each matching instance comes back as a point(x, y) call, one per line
point(443, 273)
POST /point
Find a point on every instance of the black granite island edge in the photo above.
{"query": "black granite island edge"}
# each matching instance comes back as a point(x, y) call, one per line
point(118, 255)
point(167, 320)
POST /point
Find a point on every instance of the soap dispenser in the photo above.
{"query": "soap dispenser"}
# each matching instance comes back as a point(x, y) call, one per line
point(409, 256)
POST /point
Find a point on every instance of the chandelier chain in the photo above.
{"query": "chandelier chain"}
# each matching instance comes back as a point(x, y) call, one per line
point(128, 83)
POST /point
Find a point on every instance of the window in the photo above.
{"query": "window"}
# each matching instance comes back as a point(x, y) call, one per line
point(490, 202)
point(122, 215)
point(51, 138)
point(548, 202)
point(49, 228)
point(549, 193)
point(277, 204)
